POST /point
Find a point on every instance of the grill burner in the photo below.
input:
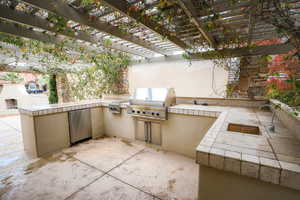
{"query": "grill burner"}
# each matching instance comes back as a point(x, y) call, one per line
point(151, 103)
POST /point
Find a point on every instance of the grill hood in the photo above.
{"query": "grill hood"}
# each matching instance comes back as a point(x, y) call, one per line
point(157, 97)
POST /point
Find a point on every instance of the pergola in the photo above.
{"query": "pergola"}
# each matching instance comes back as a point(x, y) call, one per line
point(153, 28)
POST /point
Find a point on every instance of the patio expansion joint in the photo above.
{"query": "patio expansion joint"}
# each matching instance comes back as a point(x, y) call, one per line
point(107, 173)
point(83, 187)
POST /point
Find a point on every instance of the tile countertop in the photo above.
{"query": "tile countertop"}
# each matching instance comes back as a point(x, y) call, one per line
point(64, 107)
point(272, 157)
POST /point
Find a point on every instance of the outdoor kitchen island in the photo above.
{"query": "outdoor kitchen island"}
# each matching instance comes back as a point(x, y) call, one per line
point(46, 128)
point(231, 163)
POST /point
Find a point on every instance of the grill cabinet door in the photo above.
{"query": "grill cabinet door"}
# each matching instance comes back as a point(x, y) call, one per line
point(155, 136)
point(140, 130)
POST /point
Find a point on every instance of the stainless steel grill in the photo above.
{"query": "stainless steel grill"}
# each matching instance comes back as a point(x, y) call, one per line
point(151, 103)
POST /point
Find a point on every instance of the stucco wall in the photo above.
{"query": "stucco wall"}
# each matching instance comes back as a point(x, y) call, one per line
point(18, 92)
point(189, 81)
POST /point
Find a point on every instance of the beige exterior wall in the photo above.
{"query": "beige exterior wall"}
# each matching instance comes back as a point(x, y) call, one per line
point(216, 184)
point(188, 81)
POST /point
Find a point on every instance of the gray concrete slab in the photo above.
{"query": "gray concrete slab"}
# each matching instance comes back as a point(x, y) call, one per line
point(105, 154)
point(164, 174)
point(55, 177)
point(108, 168)
point(109, 188)
point(13, 122)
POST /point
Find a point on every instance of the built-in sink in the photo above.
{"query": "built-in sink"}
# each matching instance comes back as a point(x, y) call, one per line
point(241, 128)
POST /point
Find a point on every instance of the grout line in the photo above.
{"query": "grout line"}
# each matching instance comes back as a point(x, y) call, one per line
point(106, 173)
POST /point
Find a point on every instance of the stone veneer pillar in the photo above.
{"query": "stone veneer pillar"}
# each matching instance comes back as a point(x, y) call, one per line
point(63, 88)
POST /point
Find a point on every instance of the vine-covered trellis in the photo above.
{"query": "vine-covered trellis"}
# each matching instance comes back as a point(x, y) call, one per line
point(75, 34)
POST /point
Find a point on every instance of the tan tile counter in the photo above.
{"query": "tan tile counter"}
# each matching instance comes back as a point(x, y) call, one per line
point(272, 157)
point(57, 108)
point(65, 107)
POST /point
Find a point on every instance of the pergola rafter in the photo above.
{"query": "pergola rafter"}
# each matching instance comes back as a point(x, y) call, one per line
point(145, 28)
point(21, 31)
point(245, 51)
point(34, 21)
point(62, 9)
point(124, 7)
point(190, 11)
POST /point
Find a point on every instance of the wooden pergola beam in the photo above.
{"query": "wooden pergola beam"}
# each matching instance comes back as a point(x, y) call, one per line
point(62, 9)
point(272, 49)
point(224, 6)
point(18, 69)
point(21, 31)
point(260, 50)
point(124, 7)
point(27, 69)
point(191, 12)
point(28, 19)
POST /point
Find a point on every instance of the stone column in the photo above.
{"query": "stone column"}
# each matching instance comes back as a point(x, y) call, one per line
point(63, 88)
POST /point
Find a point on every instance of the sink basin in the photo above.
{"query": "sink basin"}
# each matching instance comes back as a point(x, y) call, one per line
point(241, 128)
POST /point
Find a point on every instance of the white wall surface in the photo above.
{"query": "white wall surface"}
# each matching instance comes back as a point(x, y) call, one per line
point(18, 92)
point(188, 81)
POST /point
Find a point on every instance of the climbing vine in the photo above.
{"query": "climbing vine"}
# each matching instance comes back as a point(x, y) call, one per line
point(101, 72)
point(105, 76)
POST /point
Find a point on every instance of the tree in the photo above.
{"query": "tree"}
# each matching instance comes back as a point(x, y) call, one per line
point(53, 97)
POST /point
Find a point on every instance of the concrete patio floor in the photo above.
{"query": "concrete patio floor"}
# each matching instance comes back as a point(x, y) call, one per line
point(106, 169)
